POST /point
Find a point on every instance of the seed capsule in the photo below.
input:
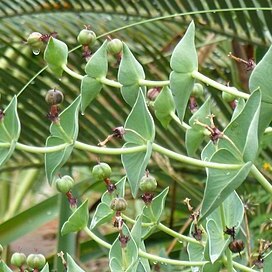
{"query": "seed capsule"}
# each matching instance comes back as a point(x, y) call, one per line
point(118, 204)
point(198, 90)
point(64, 184)
point(101, 171)
point(54, 97)
point(86, 37)
point(227, 97)
point(115, 46)
point(18, 259)
point(236, 246)
point(148, 183)
point(36, 261)
point(34, 40)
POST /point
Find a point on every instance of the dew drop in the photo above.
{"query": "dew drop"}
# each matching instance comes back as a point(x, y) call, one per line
point(36, 52)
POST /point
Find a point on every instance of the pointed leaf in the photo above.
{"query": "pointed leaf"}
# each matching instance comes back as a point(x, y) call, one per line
point(129, 73)
point(65, 133)
point(72, 266)
point(128, 255)
point(90, 88)
point(135, 165)
point(164, 105)
point(56, 54)
point(261, 77)
point(115, 265)
point(9, 131)
point(221, 183)
point(184, 56)
point(196, 134)
point(45, 268)
point(97, 66)
point(243, 130)
point(181, 85)
point(233, 210)
point(4, 267)
point(78, 220)
point(141, 121)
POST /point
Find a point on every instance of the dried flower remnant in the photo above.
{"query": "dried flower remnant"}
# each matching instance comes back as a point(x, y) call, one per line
point(250, 64)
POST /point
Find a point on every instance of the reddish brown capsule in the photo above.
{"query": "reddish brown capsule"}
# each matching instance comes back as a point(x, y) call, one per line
point(236, 246)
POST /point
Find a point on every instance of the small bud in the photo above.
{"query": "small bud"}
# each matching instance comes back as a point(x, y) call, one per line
point(236, 246)
point(34, 40)
point(18, 259)
point(36, 261)
point(101, 171)
point(198, 90)
point(64, 184)
point(148, 183)
point(153, 93)
point(118, 204)
point(86, 37)
point(54, 97)
point(115, 46)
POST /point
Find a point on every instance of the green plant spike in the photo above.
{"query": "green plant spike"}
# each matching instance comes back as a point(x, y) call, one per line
point(56, 54)
point(183, 62)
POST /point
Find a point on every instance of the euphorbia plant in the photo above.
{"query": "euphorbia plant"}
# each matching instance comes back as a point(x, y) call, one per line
point(228, 156)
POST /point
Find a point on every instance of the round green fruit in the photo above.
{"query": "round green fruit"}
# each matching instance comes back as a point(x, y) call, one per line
point(36, 261)
point(118, 204)
point(54, 97)
point(101, 171)
point(86, 37)
point(18, 259)
point(64, 184)
point(198, 90)
point(34, 40)
point(148, 183)
point(115, 46)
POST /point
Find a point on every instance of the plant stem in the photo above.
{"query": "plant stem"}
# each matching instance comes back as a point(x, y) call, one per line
point(262, 180)
point(178, 235)
point(243, 268)
point(219, 86)
point(151, 83)
point(130, 220)
point(36, 149)
point(146, 255)
point(71, 72)
point(110, 82)
point(181, 124)
point(192, 161)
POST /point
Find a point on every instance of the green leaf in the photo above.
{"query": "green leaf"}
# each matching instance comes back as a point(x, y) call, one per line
point(184, 56)
point(56, 54)
point(45, 268)
point(135, 165)
point(90, 88)
point(78, 220)
point(181, 85)
point(233, 212)
point(140, 121)
point(196, 134)
point(267, 262)
point(72, 266)
point(128, 255)
point(9, 131)
point(183, 62)
point(164, 105)
point(129, 73)
point(66, 132)
point(261, 77)
point(103, 212)
point(97, 66)
point(221, 183)
point(243, 130)
point(115, 265)
point(152, 213)
point(4, 267)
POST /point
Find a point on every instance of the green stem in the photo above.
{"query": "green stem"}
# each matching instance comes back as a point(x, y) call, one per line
point(110, 82)
point(178, 235)
point(146, 255)
point(262, 180)
point(243, 268)
point(71, 72)
point(177, 120)
point(219, 86)
point(132, 221)
point(153, 83)
point(192, 161)
point(35, 149)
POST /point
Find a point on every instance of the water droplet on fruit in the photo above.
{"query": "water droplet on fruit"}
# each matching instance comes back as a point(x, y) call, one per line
point(36, 52)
